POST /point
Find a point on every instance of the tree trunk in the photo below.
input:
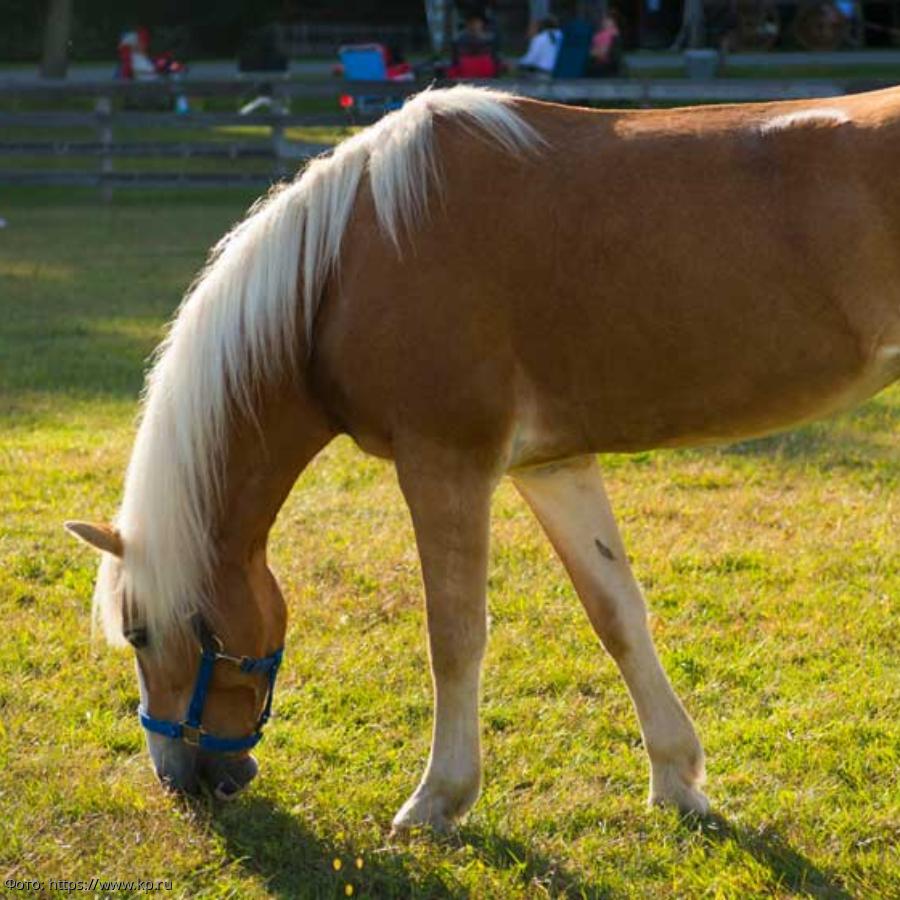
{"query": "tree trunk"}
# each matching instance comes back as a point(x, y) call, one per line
point(697, 26)
point(55, 59)
point(692, 33)
point(438, 21)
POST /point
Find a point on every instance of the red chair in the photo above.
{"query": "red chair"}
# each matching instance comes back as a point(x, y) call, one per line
point(482, 65)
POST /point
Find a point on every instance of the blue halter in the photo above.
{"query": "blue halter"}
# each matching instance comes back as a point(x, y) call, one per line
point(191, 729)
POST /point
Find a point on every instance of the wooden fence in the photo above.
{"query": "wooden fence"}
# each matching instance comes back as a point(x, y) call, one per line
point(111, 106)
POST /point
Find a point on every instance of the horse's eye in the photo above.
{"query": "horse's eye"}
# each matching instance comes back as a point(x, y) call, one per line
point(137, 637)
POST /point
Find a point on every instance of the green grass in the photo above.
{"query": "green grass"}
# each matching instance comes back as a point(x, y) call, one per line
point(772, 569)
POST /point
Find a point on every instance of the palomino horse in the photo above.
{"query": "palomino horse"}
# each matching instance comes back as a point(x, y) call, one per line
point(481, 285)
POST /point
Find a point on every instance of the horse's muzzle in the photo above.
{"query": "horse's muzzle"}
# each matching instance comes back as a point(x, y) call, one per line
point(226, 775)
point(185, 769)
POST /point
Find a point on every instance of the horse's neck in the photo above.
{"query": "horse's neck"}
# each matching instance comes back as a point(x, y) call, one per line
point(262, 462)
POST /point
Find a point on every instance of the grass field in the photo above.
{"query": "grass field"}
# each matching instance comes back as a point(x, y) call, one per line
point(772, 569)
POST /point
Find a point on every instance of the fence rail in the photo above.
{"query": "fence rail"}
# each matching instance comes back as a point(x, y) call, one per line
point(276, 146)
point(158, 149)
point(137, 119)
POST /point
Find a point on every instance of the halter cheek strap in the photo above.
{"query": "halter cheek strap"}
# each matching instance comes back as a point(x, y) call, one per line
point(191, 729)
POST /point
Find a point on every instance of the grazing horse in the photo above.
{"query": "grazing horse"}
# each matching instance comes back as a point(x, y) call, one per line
point(478, 286)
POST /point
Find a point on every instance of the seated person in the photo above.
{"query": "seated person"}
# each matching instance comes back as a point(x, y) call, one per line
point(136, 61)
point(134, 56)
point(395, 64)
point(606, 49)
point(543, 48)
point(475, 51)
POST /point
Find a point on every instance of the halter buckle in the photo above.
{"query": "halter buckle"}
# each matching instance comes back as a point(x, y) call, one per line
point(237, 660)
point(191, 734)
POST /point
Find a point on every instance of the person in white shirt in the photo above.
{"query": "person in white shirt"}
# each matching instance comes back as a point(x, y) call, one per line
point(543, 48)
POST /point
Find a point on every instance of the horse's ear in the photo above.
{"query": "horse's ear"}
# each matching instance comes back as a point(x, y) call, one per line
point(102, 537)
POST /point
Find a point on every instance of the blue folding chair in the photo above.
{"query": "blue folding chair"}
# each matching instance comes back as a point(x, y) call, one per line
point(572, 59)
point(365, 62)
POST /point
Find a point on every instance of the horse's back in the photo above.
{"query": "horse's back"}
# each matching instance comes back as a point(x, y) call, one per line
point(645, 278)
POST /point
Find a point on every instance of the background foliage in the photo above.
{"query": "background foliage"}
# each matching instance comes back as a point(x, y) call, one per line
point(193, 28)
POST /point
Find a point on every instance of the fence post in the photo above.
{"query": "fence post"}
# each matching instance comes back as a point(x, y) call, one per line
point(645, 100)
point(103, 110)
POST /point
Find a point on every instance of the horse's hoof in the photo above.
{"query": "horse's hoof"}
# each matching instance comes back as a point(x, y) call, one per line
point(428, 810)
point(678, 786)
point(406, 822)
point(404, 828)
point(689, 802)
point(687, 799)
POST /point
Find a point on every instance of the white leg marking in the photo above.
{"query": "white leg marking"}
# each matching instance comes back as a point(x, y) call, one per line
point(571, 504)
point(451, 519)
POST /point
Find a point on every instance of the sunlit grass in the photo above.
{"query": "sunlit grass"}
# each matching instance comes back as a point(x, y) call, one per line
point(772, 569)
point(34, 269)
point(308, 134)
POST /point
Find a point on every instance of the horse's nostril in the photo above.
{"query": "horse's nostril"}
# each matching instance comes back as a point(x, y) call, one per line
point(227, 776)
point(226, 790)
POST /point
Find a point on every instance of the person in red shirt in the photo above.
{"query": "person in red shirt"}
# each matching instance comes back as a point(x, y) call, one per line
point(475, 51)
point(605, 56)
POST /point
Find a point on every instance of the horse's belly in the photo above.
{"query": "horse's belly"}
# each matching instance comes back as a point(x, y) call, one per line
point(550, 428)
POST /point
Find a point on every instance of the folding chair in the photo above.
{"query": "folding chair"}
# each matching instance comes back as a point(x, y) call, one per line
point(365, 62)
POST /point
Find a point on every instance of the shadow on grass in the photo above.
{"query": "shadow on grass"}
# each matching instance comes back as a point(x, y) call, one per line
point(790, 869)
point(294, 862)
point(840, 442)
point(502, 853)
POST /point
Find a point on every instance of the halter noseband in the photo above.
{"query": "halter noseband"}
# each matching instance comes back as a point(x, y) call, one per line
point(191, 729)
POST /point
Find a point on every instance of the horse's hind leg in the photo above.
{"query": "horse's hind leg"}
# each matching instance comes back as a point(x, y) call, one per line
point(570, 502)
point(449, 499)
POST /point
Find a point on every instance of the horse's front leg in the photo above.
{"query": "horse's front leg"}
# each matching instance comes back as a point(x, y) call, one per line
point(570, 502)
point(449, 499)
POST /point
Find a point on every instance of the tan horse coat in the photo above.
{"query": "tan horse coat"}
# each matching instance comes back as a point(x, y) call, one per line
point(651, 279)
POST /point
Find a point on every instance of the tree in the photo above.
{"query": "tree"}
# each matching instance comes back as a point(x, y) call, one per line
point(57, 29)
point(437, 13)
point(693, 26)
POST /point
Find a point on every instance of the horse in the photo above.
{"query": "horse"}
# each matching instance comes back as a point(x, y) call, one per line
point(480, 286)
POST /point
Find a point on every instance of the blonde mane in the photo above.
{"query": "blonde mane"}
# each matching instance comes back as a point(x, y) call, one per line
point(236, 328)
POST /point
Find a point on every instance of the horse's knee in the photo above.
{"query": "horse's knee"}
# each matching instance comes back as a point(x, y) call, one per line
point(455, 654)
